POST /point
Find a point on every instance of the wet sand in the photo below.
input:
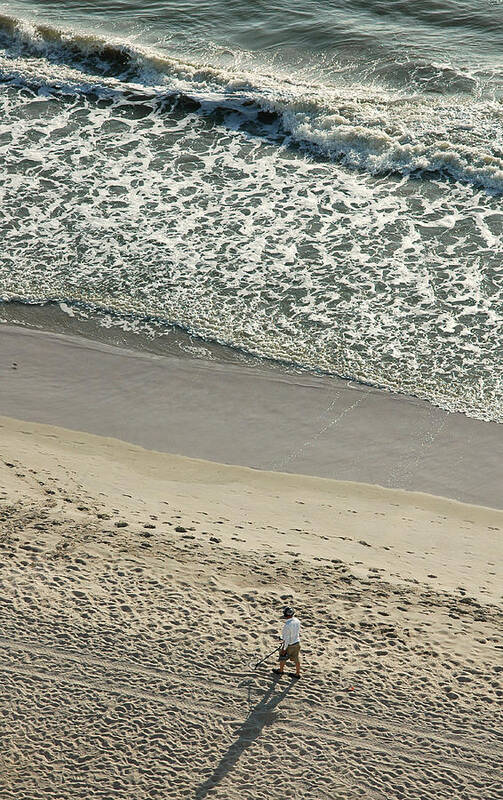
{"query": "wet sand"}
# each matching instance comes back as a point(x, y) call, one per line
point(259, 417)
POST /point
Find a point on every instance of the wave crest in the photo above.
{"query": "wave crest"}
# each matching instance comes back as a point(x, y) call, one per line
point(362, 126)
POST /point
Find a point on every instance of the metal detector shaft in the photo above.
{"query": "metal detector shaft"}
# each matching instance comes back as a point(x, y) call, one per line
point(276, 649)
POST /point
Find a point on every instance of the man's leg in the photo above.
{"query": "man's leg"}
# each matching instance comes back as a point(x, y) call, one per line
point(295, 657)
point(297, 666)
point(280, 668)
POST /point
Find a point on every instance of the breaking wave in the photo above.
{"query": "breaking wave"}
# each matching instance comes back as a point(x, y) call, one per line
point(445, 128)
point(349, 226)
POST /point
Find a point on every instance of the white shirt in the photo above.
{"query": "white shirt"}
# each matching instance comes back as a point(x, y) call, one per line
point(291, 631)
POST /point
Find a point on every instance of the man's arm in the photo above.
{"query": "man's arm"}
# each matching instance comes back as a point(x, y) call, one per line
point(283, 640)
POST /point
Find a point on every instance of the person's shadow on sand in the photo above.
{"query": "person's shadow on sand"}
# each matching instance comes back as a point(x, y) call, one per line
point(261, 715)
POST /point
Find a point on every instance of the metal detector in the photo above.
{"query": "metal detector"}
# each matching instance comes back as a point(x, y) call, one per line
point(276, 650)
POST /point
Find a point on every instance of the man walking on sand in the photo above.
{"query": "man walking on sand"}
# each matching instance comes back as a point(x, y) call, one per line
point(290, 646)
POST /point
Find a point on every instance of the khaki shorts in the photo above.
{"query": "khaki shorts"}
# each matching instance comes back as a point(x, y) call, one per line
point(292, 653)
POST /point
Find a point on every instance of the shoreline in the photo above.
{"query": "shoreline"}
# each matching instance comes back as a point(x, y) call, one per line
point(256, 416)
point(358, 520)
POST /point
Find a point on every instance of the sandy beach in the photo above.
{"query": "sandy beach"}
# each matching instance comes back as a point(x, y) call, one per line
point(139, 588)
point(251, 327)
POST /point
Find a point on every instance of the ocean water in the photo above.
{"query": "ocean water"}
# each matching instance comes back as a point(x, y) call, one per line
point(319, 184)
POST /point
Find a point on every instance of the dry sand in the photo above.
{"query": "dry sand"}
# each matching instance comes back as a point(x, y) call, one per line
point(137, 588)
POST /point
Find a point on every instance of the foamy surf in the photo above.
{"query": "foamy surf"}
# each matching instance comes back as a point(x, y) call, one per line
point(349, 228)
point(363, 127)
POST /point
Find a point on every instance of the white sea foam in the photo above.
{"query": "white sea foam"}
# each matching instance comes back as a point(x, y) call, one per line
point(122, 198)
point(362, 126)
